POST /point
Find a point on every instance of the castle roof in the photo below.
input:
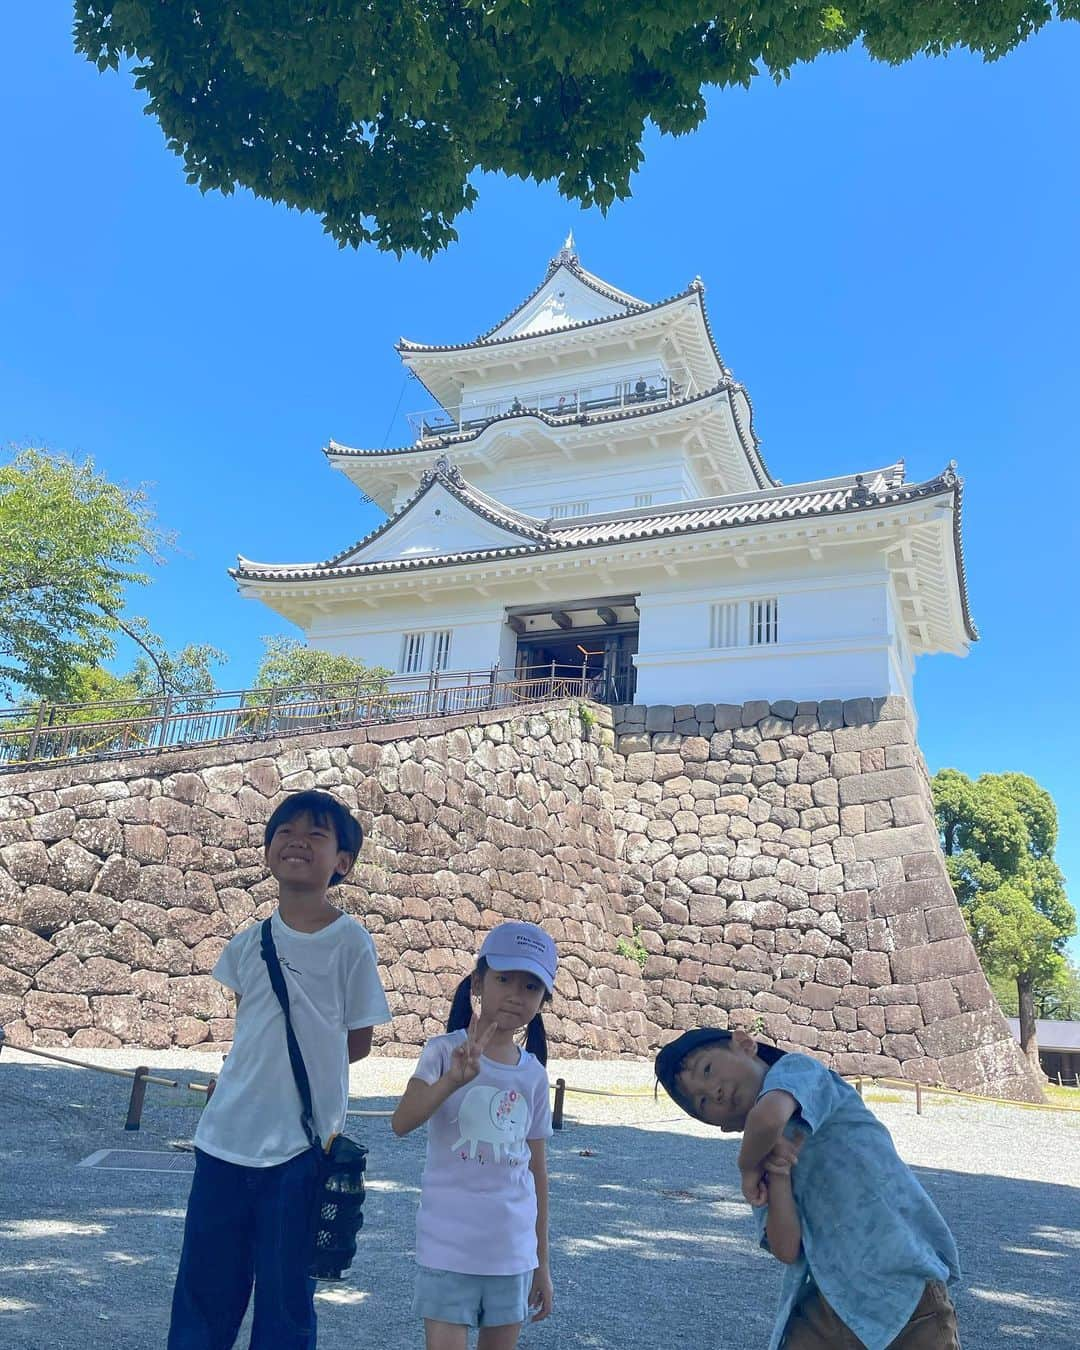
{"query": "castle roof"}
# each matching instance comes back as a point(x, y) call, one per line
point(367, 466)
point(825, 501)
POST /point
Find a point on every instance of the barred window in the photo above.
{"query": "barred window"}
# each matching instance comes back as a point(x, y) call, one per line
point(764, 622)
point(440, 656)
point(412, 653)
point(642, 499)
point(565, 510)
point(425, 651)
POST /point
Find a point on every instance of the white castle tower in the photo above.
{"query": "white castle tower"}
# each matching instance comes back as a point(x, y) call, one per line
point(586, 494)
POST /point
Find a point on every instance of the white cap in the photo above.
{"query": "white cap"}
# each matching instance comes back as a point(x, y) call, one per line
point(522, 946)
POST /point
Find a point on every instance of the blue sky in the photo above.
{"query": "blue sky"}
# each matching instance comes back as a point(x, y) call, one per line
point(889, 256)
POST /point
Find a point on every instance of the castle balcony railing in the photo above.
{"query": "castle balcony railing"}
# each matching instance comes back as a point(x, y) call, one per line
point(58, 733)
point(652, 386)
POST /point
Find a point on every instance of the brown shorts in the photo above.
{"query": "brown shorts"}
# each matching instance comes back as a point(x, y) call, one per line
point(813, 1325)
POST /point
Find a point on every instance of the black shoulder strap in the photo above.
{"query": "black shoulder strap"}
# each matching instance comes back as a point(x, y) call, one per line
point(296, 1059)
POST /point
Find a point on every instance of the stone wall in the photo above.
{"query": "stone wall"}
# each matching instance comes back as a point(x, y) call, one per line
point(774, 867)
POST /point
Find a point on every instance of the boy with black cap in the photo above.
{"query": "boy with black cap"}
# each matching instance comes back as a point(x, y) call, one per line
point(868, 1255)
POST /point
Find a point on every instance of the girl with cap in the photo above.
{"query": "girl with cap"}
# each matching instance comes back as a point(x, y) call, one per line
point(481, 1229)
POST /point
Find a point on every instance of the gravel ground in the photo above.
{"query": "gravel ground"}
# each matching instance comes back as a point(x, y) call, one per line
point(652, 1244)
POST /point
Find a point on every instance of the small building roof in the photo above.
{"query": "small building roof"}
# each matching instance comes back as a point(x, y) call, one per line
point(1051, 1035)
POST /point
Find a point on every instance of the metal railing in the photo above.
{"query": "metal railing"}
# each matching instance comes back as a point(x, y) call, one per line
point(60, 732)
point(653, 385)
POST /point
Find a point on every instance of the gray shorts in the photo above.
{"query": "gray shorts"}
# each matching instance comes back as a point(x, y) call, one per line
point(472, 1300)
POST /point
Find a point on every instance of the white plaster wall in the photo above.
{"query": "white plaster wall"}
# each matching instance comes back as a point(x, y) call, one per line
point(836, 640)
point(439, 523)
point(375, 636)
point(838, 628)
point(607, 482)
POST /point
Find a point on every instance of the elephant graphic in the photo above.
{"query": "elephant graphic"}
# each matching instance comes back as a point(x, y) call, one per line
point(491, 1115)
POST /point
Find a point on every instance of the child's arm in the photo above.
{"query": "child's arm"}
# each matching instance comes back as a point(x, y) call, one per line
point(541, 1294)
point(782, 1226)
point(762, 1132)
point(421, 1100)
point(764, 1126)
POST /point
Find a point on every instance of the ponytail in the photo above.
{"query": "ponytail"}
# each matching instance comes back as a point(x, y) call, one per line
point(461, 1007)
point(536, 1039)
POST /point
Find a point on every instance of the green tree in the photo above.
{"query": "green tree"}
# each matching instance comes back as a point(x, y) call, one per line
point(998, 834)
point(1060, 1000)
point(287, 663)
point(376, 116)
point(307, 686)
point(105, 711)
point(71, 544)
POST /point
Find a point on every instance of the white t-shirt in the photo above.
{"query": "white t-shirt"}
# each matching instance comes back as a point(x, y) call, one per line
point(332, 978)
point(477, 1211)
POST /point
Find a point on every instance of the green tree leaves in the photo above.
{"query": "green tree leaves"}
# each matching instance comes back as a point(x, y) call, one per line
point(287, 663)
point(71, 543)
point(376, 115)
point(998, 834)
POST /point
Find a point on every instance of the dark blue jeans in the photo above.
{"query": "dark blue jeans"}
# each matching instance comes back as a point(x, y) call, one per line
point(246, 1225)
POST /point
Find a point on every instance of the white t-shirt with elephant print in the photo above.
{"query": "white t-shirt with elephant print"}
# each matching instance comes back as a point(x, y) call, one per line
point(477, 1211)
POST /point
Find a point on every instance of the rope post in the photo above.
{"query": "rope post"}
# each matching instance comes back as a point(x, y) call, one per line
point(858, 1086)
point(210, 1088)
point(918, 1099)
point(138, 1093)
point(560, 1097)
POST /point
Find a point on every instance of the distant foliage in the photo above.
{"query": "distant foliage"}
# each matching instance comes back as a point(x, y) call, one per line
point(72, 544)
point(287, 662)
point(378, 116)
point(998, 833)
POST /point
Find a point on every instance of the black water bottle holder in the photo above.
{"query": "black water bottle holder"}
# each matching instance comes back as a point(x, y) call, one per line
point(336, 1215)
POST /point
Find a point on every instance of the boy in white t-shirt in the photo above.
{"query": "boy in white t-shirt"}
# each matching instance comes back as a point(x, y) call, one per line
point(247, 1215)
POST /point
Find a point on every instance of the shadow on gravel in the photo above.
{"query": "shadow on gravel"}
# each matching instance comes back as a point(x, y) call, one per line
point(653, 1246)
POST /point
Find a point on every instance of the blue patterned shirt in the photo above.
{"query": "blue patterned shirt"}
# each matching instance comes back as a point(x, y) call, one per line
point(871, 1236)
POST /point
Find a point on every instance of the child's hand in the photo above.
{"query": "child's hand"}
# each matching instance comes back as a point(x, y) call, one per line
point(465, 1061)
point(783, 1157)
point(753, 1187)
point(540, 1295)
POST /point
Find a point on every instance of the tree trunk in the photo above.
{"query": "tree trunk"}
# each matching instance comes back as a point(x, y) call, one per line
point(1028, 1040)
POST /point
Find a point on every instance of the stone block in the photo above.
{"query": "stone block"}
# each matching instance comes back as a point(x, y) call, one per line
point(634, 743)
point(858, 711)
point(903, 1017)
point(859, 789)
point(52, 826)
point(812, 767)
point(830, 714)
point(660, 717)
point(27, 863)
point(907, 929)
point(894, 843)
point(952, 956)
point(871, 968)
point(956, 1035)
point(945, 922)
point(62, 1012)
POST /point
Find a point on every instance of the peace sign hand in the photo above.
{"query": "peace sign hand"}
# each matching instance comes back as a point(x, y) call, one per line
point(465, 1060)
